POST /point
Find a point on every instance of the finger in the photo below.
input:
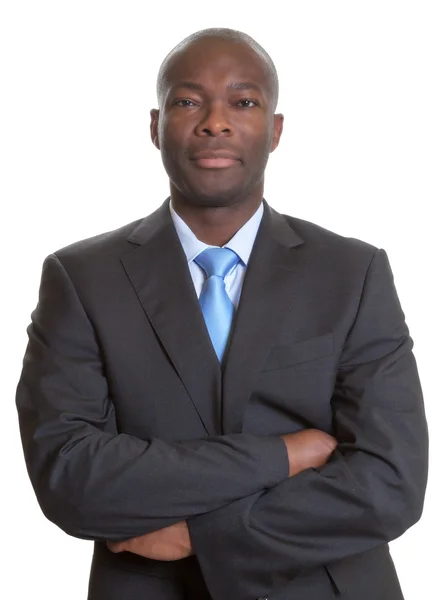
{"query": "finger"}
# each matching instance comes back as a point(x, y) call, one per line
point(115, 547)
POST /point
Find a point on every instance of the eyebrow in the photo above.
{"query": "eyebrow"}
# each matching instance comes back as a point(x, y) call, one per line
point(242, 85)
point(245, 85)
point(189, 84)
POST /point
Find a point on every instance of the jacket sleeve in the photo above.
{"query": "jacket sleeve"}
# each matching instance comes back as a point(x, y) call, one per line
point(92, 482)
point(370, 491)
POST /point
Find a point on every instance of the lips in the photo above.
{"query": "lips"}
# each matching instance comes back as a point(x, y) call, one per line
point(216, 159)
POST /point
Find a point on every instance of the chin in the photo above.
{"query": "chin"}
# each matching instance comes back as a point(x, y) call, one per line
point(212, 197)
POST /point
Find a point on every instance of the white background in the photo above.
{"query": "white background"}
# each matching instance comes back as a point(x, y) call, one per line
point(362, 91)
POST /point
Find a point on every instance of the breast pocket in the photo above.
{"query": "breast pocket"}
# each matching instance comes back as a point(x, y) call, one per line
point(288, 355)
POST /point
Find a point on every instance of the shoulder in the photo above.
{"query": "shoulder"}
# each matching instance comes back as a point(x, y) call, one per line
point(113, 241)
point(325, 243)
point(315, 235)
point(328, 253)
point(94, 258)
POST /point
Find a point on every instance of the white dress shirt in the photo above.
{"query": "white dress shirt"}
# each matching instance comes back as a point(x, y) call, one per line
point(241, 243)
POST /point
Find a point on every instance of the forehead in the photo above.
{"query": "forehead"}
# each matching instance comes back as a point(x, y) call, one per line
point(213, 61)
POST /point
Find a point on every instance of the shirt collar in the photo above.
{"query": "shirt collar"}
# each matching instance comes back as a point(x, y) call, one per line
point(241, 242)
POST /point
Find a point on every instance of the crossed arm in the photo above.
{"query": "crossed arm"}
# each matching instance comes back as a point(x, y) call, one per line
point(306, 449)
point(369, 492)
point(82, 471)
point(234, 488)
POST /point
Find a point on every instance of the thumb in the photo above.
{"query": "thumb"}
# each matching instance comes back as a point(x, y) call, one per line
point(115, 547)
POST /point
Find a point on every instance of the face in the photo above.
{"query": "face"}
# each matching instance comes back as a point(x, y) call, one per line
point(216, 126)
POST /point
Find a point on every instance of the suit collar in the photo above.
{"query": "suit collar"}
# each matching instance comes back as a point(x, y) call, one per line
point(157, 268)
point(275, 271)
point(273, 222)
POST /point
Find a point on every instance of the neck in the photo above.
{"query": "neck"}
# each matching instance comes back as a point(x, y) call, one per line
point(215, 225)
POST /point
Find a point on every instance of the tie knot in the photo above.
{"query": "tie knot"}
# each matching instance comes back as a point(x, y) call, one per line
point(217, 261)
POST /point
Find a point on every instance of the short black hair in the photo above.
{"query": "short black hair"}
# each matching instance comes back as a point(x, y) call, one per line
point(225, 34)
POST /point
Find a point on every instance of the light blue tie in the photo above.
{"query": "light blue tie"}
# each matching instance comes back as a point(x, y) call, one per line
point(216, 305)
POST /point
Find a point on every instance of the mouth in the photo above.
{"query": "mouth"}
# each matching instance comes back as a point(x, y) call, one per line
point(216, 159)
point(215, 163)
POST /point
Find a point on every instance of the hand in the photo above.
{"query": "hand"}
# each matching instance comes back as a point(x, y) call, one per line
point(169, 543)
point(308, 448)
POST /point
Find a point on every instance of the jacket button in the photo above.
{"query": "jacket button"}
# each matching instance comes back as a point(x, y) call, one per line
point(263, 598)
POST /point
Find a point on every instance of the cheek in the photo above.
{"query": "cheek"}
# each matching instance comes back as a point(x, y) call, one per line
point(253, 129)
point(173, 132)
point(256, 144)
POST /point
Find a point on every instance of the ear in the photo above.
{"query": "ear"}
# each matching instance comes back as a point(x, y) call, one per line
point(277, 130)
point(154, 114)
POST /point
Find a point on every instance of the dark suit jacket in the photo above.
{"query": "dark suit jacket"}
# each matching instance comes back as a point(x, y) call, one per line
point(129, 423)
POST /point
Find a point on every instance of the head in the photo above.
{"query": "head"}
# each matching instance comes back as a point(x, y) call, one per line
point(216, 123)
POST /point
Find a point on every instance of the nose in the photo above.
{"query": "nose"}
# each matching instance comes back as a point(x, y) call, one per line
point(215, 122)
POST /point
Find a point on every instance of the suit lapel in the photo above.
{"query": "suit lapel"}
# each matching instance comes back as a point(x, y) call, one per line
point(158, 270)
point(276, 268)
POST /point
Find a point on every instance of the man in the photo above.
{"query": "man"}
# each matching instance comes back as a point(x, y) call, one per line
point(222, 397)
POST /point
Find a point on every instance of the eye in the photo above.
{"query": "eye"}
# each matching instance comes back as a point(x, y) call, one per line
point(184, 102)
point(246, 103)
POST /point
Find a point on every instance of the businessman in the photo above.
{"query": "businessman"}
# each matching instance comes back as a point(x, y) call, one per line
point(222, 397)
